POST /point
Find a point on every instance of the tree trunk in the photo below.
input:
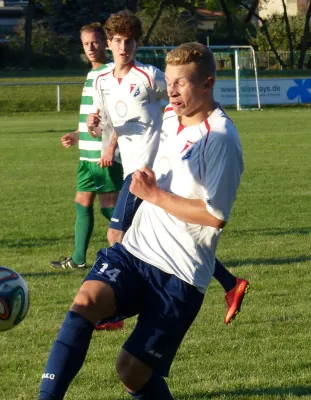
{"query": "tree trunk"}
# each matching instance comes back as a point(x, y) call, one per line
point(230, 24)
point(304, 39)
point(266, 31)
point(163, 4)
point(231, 32)
point(28, 35)
point(289, 37)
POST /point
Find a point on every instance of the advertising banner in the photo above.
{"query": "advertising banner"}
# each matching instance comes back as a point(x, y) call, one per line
point(271, 91)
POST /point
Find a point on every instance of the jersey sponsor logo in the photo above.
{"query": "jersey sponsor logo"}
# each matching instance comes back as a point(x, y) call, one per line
point(48, 376)
point(115, 219)
point(105, 91)
point(132, 85)
point(121, 108)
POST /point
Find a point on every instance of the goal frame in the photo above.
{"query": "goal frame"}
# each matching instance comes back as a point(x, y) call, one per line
point(235, 49)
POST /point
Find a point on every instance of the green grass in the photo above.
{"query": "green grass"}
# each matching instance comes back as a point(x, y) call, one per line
point(263, 355)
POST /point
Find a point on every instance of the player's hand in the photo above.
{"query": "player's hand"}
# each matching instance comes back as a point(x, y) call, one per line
point(144, 184)
point(93, 120)
point(107, 158)
point(69, 139)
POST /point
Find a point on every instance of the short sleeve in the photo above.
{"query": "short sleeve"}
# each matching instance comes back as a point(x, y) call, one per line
point(222, 168)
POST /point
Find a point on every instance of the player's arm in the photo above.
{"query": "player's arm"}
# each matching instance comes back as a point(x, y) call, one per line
point(70, 139)
point(192, 211)
point(106, 159)
point(93, 124)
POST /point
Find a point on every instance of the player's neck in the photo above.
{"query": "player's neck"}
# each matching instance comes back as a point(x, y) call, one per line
point(120, 71)
point(198, 116)
point(97, 64)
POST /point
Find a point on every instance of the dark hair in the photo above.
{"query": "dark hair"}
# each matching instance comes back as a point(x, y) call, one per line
point(124, 23)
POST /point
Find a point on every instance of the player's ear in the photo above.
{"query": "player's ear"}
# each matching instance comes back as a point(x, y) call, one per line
point(209, 82)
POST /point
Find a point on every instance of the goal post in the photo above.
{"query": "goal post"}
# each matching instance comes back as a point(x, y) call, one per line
point(237, 78)
point(239, 63)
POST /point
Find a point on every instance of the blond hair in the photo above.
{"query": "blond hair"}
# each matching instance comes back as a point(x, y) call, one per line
point(124, 23)
point(196, 53)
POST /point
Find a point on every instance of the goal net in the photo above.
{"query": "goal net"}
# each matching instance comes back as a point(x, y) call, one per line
point(237, 80)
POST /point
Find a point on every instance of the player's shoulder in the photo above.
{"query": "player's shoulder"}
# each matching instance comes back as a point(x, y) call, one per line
point(104, 74)
point(221, 128)
point(220, 122)
point(147, 70)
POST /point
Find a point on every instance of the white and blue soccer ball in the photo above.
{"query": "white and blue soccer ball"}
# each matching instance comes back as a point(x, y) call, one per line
point(14, 298)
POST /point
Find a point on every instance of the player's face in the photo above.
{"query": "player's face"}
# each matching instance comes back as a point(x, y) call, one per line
point(123, 49)
point(93, 46)
point(186, 91)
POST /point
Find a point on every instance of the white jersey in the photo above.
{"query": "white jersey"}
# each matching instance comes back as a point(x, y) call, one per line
point(134, 105)
point(197, 162)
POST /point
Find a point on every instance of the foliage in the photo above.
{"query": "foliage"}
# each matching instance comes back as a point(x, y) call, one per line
point(220, 32)
point(175, 26)
point(276, 28)
point(45, 41)
point(49, 49)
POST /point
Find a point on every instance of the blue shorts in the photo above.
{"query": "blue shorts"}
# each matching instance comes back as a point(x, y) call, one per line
point(166, 306)
point(125, 208)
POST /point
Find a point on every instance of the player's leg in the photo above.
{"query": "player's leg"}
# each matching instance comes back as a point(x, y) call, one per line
point(124, 212)
point(86, 192)
point(94, 300)
point(108, 183)
point(111, 289)
point(140, 380)
point(235, 289)
point(170, 306)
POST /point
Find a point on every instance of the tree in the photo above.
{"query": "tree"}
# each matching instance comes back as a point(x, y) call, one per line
point(305, 38)
point(290, 33)
point(166, 33)
point(28, 34)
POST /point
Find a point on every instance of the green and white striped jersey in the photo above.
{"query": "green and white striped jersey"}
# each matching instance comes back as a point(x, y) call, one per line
point(90, 148)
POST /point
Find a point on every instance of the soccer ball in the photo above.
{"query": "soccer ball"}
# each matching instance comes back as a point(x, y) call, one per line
point(14, 298)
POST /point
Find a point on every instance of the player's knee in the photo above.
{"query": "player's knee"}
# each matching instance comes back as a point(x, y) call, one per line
point(132, 372)
point(85, 304)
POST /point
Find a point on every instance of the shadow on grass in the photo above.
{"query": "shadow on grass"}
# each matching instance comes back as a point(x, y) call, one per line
point(53, 273)
point(272, 231)
point(298, 391)
point(33, 242)
point(266, 261)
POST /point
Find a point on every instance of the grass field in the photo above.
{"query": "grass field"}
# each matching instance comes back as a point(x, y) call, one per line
point(264, 354)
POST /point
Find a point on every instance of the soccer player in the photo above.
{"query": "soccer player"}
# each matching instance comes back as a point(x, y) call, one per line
point(133, 92)
point(92, 179)
point(164, 265)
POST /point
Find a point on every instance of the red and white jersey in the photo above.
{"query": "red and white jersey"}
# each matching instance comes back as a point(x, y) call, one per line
point(134, 105)
point(198, 162)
